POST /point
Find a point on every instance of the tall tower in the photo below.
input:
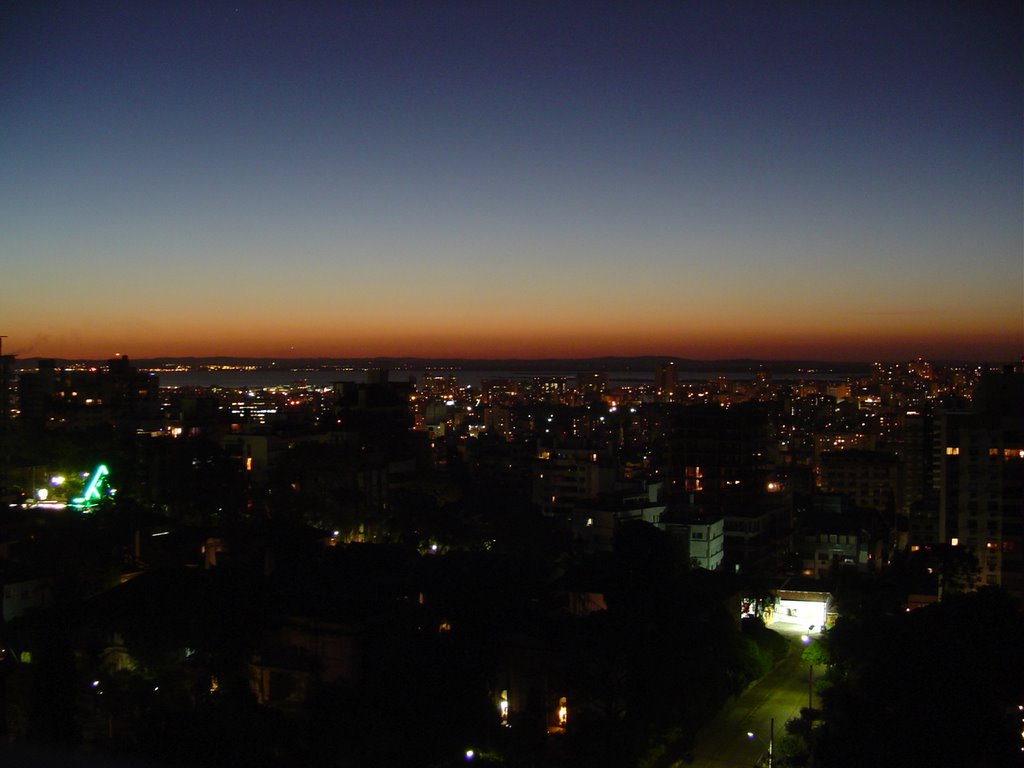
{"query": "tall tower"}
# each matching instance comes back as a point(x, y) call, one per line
point(666, 377)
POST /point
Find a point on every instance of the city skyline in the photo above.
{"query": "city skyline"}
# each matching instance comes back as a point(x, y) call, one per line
point(707, 181)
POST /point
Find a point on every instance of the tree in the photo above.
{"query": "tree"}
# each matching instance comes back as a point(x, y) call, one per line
point(816, 653)
point(938, 686)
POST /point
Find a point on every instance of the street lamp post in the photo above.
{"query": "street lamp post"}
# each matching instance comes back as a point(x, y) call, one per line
point(806, 640)
point(771, 741)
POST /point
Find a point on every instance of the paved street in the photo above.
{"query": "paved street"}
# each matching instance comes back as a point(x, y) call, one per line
point(779, 694)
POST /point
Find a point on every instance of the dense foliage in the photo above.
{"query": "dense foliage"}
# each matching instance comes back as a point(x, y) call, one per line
point(937, 686)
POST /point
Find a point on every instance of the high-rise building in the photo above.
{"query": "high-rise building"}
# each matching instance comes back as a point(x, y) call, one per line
point(591, 385)
point(981, 478)
point(570, 472)
point(872, 479)
point(666, 378)
point(722, 462)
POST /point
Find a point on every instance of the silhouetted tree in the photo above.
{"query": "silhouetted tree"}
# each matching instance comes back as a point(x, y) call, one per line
point(938, 686)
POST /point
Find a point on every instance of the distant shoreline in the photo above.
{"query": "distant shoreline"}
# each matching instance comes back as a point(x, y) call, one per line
point(642, 364)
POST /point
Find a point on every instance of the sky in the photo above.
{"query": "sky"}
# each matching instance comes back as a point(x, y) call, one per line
point(791, 180)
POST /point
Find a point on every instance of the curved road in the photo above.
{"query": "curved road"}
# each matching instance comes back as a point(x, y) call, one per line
point(780, 694)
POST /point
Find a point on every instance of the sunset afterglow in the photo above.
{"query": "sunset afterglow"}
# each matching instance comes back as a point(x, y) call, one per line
point(341, 180)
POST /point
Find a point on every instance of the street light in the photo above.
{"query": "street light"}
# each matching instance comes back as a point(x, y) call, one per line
point(806, 640)
point(771, 741)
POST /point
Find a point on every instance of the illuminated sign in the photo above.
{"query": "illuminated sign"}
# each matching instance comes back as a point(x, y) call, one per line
point(92, 490)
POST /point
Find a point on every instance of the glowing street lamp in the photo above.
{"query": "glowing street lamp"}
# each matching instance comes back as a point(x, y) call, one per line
point(771, 741)
point(810, 657)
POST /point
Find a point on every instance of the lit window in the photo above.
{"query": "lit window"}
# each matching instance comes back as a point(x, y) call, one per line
point(952, 450)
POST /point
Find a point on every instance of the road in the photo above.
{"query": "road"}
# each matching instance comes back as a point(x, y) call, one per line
point(780, 694)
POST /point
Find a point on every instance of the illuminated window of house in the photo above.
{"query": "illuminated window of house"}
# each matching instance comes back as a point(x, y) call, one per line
point(563, 711)
point(952, 450)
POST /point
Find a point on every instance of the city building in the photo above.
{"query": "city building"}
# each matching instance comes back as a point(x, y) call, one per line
point(591, 385)
point(981, 479)
point(54, 397)
point(569, 473)
point(593, 522)
point(872, 479)
point(706, 539)
point(666, 379)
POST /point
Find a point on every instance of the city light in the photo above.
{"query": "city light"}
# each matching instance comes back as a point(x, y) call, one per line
point(659, 468)
point(503, 708)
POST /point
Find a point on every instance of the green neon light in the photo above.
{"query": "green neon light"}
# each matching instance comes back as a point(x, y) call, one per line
point(92, 490)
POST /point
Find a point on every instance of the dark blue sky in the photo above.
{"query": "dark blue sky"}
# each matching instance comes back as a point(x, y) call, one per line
point(699, 179)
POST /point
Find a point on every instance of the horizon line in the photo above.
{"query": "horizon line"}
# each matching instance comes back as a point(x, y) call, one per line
point(271, 359)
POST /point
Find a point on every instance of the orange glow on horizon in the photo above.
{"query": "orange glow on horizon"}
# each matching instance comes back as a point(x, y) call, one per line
point(702, 343)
